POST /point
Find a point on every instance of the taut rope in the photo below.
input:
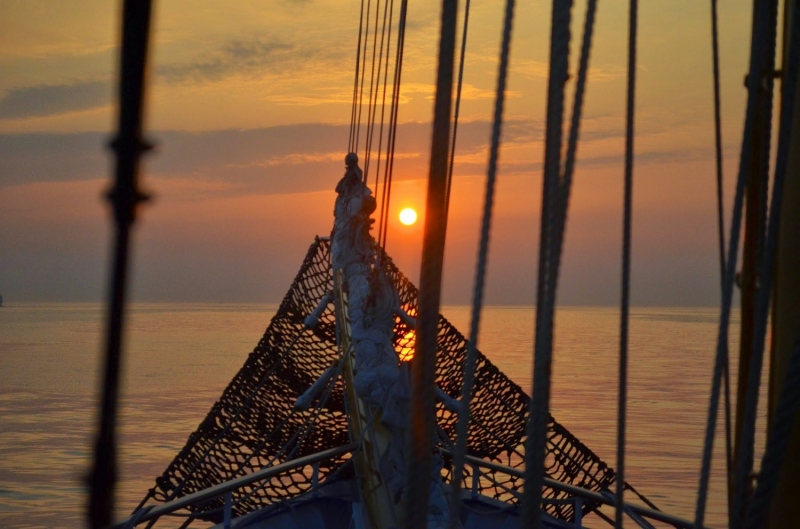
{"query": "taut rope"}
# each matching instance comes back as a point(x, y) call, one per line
point(483, 252)
point(545, 300)
point(626, 267)
point(757, 66)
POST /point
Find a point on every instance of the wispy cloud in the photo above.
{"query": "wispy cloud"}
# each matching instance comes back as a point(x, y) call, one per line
point(300, 158)
point(253, 57)
point(48, 100)
point(311, 100)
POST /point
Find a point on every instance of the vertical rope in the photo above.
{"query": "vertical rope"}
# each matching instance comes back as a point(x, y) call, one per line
point(540, 401)
point(390, 132)
point(458, 108)
point(757, 58)
point(372, 93)
point(626, 268)
point(422, 421)
point(352, 137)
point(383, 102)
point(721, 223)
point(386, 189)
point(363, 72)
point(577, 109)
point(462, 426)
point(565, 184)
point(390, 145)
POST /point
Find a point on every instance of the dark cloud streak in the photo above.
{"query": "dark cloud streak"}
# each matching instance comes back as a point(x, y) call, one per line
point(48, 100)
point(251, 57)
point(41, 157)
point(275, 160)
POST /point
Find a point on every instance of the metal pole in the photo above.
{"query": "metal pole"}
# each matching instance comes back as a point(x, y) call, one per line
point(785, 511)
point(124, 197)
point(423, 399)
point(226, 518)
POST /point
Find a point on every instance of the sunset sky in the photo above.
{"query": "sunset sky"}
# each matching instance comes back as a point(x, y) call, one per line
point(249, 104)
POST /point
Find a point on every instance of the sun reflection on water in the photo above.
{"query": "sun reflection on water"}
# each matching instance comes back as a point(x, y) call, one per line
point(405, 346)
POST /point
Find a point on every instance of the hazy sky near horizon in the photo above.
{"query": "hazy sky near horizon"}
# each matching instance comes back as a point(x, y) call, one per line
point(249, 104)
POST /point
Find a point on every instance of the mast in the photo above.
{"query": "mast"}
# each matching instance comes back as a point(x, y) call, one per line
point(785, 509)
point(754, 227)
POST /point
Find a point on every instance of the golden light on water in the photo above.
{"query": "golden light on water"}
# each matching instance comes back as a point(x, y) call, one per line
point(407, 345)
point(408, 216)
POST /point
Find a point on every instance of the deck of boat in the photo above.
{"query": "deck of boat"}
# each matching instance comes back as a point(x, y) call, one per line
point(335, 507)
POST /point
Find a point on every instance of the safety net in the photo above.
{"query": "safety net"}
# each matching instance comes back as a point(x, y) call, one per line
point(255, 423)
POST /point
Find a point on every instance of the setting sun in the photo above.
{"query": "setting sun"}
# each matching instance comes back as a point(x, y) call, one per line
point(408, 216)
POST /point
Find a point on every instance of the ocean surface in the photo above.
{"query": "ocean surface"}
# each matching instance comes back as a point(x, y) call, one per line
point(179, 358)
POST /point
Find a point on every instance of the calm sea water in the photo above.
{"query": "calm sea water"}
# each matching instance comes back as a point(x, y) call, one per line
point(179, 358)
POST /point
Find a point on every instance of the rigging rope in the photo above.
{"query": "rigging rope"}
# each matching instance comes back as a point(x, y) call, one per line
point(564, 190)
point(372, 93)
point(392, 140)
point(483, 252)
point(423, 398)
point(458, 108)
point(352, 137)
point(786, 414)
point(756, 69)
point(721, 223)
point(626, 267)
point(363, 72)
point(540, 399)
point(383, 102)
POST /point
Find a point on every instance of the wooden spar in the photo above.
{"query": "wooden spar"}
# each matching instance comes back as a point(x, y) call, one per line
point(754, 226)
point(124, 197)
point(785, 510)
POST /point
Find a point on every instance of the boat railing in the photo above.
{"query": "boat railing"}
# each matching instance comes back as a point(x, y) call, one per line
point(578, 496)
point(152, 513)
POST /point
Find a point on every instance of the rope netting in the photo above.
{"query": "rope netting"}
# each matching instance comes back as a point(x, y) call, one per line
point(255, 424)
